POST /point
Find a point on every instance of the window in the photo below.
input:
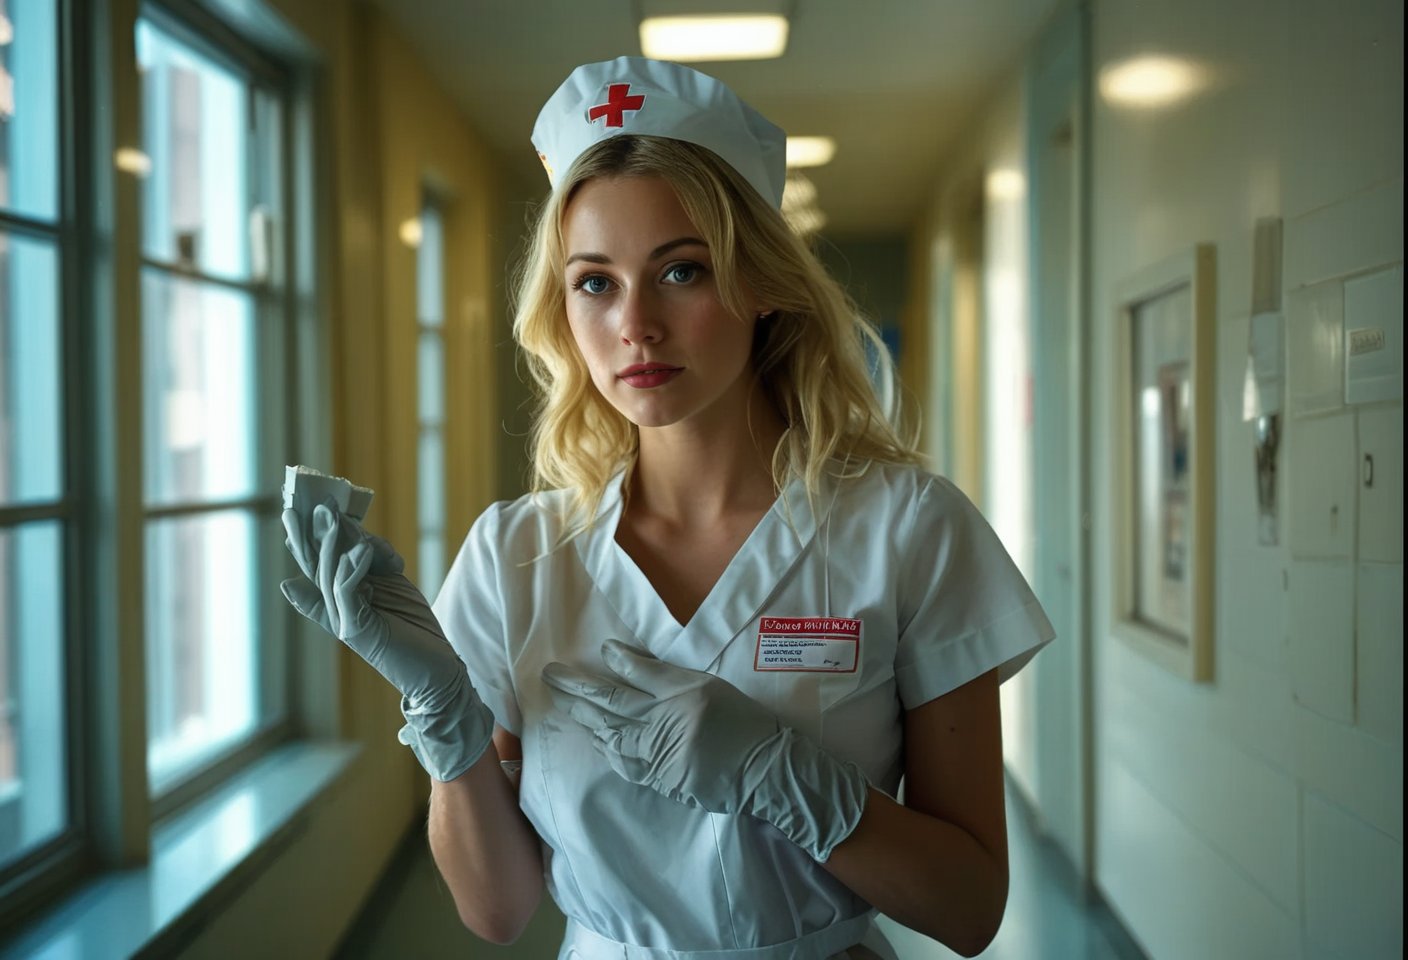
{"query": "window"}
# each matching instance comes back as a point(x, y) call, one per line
point(35, 511)
point(214, 317)
point(430, 404)
point(183, 302)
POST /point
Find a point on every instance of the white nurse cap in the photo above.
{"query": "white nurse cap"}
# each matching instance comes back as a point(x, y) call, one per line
point(660, 99)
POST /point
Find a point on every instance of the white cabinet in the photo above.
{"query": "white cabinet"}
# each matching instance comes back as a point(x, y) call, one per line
point(1322, 485)
point(1373, 337)
point(1315, 348)
point(1381, 483)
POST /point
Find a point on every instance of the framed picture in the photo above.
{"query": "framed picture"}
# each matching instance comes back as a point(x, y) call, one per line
point(1165, 396)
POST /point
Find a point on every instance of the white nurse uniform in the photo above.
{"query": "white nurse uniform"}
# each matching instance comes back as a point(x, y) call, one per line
point(891, 591)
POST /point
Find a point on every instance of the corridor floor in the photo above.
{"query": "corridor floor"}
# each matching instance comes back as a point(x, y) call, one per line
point(410, 913)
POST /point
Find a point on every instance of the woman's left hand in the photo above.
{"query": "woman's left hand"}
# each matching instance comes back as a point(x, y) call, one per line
point(699, 740)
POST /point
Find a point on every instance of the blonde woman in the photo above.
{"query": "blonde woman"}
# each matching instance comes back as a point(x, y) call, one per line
point(685, 676)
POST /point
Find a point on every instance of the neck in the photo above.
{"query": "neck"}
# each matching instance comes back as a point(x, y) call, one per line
point(696, 473)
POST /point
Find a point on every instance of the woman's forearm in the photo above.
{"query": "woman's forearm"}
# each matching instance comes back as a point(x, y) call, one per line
point(926, 873)
point(486, 850)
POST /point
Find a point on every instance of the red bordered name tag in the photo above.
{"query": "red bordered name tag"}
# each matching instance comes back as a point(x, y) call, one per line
point(811, 644)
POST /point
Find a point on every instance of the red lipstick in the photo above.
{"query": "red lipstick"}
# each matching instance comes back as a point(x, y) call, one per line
point(643, 376)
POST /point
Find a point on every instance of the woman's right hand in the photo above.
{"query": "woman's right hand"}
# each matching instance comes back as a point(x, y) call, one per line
point(355, 590)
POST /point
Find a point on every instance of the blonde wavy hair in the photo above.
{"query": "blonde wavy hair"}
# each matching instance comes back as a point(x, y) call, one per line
point(809, 355)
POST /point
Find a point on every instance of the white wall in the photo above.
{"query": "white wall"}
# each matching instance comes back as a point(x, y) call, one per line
point(1261, 814)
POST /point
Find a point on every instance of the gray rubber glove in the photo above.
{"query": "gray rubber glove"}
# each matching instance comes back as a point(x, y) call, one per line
point(699, 740)
point(355, 590)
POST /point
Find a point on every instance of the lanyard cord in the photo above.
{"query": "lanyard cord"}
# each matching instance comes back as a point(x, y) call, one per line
point(826, 540)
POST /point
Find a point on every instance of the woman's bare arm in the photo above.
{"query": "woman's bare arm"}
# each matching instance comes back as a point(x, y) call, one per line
point(484, 846)
point(938, 864)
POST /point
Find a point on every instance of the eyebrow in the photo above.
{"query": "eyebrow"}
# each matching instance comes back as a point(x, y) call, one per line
point(655, 254)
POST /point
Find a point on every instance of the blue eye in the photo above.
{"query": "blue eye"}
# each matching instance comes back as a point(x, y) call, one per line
point(592, 283)
point(682, 272)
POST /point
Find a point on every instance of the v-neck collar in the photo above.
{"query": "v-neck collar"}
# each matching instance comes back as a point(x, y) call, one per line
point(764, 560)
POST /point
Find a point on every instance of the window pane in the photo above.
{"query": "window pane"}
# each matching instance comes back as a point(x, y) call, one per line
point(196, 198)
point(31, 403)
point(199, 390)
point(432, 564)
point(29, 108)
point(202, 660)
point(430, 258)
point(430, 378)
point(431, 477)
point(33, 733)
point(431, 507)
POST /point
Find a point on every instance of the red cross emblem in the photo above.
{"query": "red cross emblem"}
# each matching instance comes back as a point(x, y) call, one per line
point(616, 105)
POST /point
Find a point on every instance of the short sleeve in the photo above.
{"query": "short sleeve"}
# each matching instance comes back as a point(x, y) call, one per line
point(470, 610)
point(964, 607)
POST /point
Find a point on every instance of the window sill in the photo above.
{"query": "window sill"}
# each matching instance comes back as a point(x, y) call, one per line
point(200, 858)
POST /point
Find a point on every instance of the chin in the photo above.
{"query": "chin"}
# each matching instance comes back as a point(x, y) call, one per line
point(650, 419)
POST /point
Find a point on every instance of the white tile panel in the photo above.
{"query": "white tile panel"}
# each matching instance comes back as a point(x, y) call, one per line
point(1381, 502)
point(1256, 710)
point(1322, 484)
point(1358, 233)
point(1353, 883)
point(1373, 331)
point(1344, 87)
point(1379, 647)
point(1320, 636)
point(1252, 604)
point(1315, 348)
point(1356, 771)
point(1177, 895)
point(1240, 805)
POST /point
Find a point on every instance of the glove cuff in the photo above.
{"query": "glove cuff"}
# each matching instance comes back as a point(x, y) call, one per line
point(451, 738)
point(815, 799)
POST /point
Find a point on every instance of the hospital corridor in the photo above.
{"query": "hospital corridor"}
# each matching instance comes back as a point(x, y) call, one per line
point(382, 567)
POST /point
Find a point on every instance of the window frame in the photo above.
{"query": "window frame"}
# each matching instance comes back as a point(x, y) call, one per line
point(49, 866)
point(273, 318)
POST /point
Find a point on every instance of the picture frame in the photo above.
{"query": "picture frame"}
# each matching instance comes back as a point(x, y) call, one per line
point(1165, 396)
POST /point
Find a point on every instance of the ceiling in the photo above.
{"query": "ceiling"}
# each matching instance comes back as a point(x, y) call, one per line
point(893, 81)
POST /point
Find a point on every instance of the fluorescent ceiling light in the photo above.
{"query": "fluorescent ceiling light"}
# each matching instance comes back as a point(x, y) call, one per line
point(742, 37)
point(1006, 184)
point(798, 192)
point(806, 221)
point(810, 151)
point(1150, 81)
point(133, 161)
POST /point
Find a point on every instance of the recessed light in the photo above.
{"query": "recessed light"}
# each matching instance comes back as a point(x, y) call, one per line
point(1006, 184)
point(810, 151)
point(797, 192)
point(694, 38)
point(1151, 81)
point(133, 161)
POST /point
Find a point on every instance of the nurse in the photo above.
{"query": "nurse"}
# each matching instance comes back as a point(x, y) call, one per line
point(681, 682)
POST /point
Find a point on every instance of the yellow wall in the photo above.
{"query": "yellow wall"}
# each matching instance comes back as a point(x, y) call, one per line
point(422, 142)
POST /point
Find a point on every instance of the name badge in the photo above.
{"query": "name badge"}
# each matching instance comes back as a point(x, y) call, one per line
point(810, 644)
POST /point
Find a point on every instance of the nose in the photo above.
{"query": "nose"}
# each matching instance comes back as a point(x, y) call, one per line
point(639, 320)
